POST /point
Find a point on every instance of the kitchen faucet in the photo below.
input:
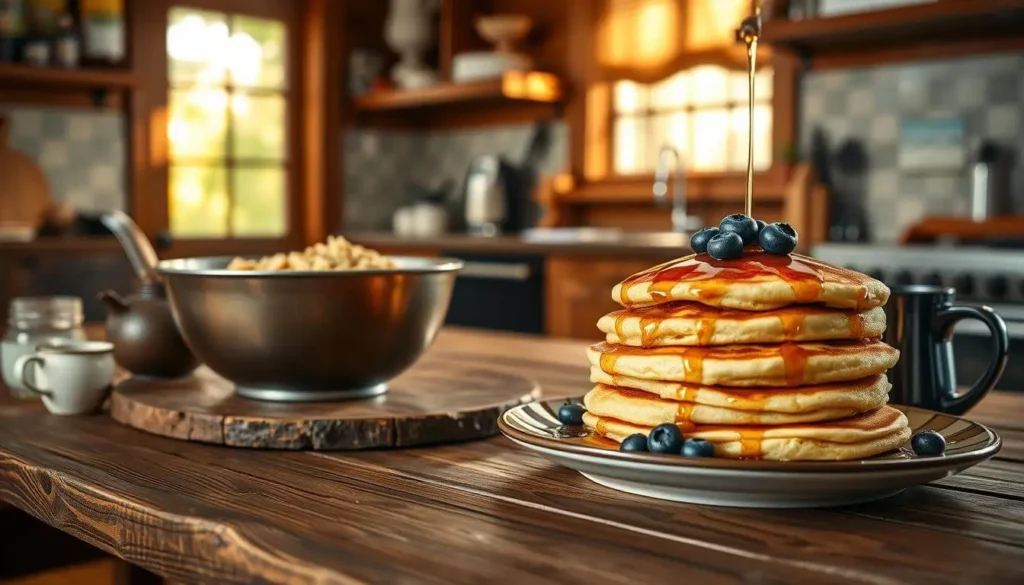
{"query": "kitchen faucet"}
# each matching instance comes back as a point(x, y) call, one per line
point(681, 222)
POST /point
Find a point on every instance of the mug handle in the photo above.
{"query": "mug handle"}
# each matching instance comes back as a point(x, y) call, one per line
point(21, 370)
point(944, 323)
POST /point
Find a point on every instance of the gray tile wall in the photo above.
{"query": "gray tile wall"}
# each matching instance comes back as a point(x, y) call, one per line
point(868, 104)
point(81, 152)
point(380, 165)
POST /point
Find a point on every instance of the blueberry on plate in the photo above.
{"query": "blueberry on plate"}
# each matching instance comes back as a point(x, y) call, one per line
point(760, 225)
point(725, 246)
point(634, 442)
point(665, 438)
point(778, 238)
point(571, 414)
point(742, 225)
point(698, 448)
point(928, 443)
point(699, 241)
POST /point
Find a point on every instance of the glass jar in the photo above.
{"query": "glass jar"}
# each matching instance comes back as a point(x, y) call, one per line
point(34, 320)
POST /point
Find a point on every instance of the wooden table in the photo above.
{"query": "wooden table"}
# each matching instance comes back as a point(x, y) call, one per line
point(486, 511)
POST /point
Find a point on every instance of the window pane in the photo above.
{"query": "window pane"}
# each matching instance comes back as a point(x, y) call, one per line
point(710, 142)
point(763, 85)
point(198, 199)
point(671, 130)
point(257, 52)
point(738, 132)
point(709, 84)
point(196, 46)
point(258, 126)
point(260, 202)
point(671, 94)
point(196, 123)
point(762, 137)
point(629, 145)
point(630, 97)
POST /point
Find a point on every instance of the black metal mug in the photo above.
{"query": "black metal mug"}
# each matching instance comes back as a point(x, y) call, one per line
point(919, 323)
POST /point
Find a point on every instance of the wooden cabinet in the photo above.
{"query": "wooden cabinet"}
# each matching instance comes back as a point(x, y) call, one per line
point(579, 292)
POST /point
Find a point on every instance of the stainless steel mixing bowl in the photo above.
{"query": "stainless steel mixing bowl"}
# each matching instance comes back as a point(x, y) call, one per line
point(298, 336)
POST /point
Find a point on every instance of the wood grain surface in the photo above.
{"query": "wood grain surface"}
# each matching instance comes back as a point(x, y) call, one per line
point(485, 511)
point(432, 403)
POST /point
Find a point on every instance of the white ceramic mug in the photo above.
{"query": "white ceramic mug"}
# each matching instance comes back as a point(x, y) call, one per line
point(72, 377)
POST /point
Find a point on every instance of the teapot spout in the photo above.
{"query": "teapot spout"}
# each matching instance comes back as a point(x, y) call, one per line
point(113, 301)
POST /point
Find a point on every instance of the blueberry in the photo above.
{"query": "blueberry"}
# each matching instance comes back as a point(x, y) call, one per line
point(699, 241)
point(665, 438)
point(928, 443)
point(571, 414)
point(726, 246)
point(760, 225)
point(778, 238)
point(634, 442)
point(698, 448)
point(744, 225)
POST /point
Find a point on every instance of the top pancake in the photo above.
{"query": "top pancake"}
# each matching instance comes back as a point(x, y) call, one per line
point(756, 282)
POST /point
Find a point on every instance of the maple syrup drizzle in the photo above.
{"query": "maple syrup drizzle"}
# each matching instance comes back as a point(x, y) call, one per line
point(649, 327)
point(792, 325)
point(856, 325)
point(750, 31)
point(750, 443)
point(706, 331)
point(794, 360)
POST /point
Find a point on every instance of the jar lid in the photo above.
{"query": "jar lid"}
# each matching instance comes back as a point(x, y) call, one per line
point(58, 312)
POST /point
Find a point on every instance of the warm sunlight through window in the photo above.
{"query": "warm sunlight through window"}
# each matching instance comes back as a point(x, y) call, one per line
point(702, 112)
point(226, 125)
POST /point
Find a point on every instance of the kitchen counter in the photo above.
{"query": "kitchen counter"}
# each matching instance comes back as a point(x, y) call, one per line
point(485, 511)
point(638, 245)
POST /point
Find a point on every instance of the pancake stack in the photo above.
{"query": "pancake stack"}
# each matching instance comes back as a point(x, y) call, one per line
point(766, 357)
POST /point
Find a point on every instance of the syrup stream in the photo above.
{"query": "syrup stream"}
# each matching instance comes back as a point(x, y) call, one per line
point(750, 31)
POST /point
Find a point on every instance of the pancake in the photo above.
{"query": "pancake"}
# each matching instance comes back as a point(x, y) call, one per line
point(857, 395)
point(685, 323)
point(788, 364)
point(857, 437)
point(756, 282)
point(643, 408)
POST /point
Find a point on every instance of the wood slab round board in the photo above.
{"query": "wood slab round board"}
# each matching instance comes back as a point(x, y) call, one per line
point(429, 404)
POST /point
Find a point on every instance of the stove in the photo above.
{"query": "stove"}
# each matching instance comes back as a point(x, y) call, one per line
point(981, 276)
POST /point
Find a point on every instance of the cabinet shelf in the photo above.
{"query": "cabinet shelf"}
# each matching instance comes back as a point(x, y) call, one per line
point(517, 94)
point(42, 84)
point(910, 31)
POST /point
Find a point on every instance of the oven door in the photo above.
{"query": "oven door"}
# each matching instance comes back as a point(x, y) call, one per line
point(972, 349)
point(504, 293)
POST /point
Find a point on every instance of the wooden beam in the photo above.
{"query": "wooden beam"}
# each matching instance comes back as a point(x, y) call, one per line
point(322, 64)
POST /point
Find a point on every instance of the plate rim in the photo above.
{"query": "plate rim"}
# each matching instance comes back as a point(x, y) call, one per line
point(675, 461)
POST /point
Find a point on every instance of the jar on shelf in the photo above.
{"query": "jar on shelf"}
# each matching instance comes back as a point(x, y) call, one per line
point(103, 32)
point(32, 321)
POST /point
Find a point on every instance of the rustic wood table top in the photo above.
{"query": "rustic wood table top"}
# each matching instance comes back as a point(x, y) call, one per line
point(485, 511)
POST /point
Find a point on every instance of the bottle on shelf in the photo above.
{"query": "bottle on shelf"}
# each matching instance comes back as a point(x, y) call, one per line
point(103, 32)
point(66, 46)
point(12, 30)
point(42, 20)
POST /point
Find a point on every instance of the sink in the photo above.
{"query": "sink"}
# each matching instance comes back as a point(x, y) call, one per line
point(592, 235)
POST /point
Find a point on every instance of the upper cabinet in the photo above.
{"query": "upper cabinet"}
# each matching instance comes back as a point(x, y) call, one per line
point(446, 63)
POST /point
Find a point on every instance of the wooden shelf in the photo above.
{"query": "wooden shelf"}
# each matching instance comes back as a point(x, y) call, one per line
point(516, 95)
point(64, 79)
point(938, 29)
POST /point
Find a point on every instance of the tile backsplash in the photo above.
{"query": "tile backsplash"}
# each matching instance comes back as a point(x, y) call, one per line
point(380, 166)
point(867, 105)
point(81, 152)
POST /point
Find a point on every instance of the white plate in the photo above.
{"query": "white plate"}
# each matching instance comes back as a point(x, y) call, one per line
point(751, 483)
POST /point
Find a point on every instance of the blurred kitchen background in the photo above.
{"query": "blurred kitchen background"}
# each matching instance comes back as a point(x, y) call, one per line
point(521, 135)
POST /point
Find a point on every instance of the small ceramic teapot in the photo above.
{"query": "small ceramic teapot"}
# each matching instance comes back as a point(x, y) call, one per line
point(146, 339)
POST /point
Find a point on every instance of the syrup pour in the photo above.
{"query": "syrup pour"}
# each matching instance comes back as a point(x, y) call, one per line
point(750, 32)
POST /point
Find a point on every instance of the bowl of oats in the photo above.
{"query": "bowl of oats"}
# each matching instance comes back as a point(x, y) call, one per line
point(334, 321)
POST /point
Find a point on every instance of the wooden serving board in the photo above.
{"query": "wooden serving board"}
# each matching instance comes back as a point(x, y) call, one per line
point(429, 404)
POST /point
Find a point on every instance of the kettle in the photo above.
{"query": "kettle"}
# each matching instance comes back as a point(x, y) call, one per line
point(141, 327)
point(485, 197)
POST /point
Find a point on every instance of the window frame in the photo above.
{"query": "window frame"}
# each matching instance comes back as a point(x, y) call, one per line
point(585, 114)
point(150, 189)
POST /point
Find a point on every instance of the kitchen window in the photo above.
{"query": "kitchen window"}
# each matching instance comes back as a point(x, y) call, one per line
point(227, 125)
point(702, 112)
